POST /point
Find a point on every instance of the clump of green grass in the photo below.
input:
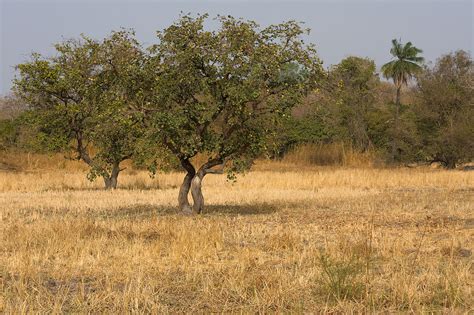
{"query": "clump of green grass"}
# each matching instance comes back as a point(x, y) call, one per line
point(342, 278)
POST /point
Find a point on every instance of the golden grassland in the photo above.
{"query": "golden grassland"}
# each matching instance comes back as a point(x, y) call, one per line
point(280, 239)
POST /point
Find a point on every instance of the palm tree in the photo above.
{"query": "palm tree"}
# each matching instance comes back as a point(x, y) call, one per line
point(405, 64)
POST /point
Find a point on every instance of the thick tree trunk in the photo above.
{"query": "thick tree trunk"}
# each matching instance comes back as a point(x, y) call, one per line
point(111, 180)
point(193, 181)
point(196, 184)
point(183, 201)
point(397, 126)
point(196, 193)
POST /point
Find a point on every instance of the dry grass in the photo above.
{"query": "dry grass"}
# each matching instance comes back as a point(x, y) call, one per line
point(319, 239)
point(307, 155)
point(335, 154)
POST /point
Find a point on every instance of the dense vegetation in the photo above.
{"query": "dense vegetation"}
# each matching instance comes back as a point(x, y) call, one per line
point(233, 95)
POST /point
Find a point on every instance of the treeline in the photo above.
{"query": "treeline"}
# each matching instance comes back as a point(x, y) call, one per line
point(233, 95)
point(435, 115)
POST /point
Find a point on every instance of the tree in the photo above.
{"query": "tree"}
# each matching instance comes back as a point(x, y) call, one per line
point(405, 65)
point(219, 93)
point(80, 97)
point(445, 109)
point(353, 84)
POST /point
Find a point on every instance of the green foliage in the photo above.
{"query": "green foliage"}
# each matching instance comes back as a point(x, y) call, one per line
point(8, 133)
point(221, 93)
point(379, 127)
point(354, 82)
point(12, 112)
point(405, 65)
point(338, 112)
point(341, 278)
point(231, 94)
point(78, 99)
point(294, 131)
point(445, 113)
point(17, 133)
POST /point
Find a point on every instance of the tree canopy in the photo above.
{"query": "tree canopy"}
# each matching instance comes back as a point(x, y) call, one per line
point(445, 111)
point(78, 99)
point(220, 92)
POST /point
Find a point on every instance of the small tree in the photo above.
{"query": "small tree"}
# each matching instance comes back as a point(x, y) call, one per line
point(220, 93)
point(405, 65)
point(445, 109)
point(79, 97)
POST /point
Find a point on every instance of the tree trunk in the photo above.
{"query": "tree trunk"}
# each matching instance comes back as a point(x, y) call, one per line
point(193, 181)
point(448, 162)
point(110, 180)
point(451, 164)
point(196, 183)
point(183, 201)
point(196, 193)
point(397, 126)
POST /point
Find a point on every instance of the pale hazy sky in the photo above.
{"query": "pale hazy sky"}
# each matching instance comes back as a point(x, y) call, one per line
point(339, 28)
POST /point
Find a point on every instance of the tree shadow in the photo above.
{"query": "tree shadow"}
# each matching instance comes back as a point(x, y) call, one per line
point(99, 189)
point(146, 211)
point(153, 186)
point(137, 212)
point(235, 210)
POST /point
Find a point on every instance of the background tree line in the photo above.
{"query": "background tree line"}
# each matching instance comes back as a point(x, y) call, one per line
point(233, 94)
point(430, 119)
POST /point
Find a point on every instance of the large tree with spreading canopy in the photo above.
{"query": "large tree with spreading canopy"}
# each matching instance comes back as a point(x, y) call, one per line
point(78, 100)
point(219, 93)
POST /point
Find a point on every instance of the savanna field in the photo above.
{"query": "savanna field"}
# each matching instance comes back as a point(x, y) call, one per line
point(280, 239)
point(349, 187)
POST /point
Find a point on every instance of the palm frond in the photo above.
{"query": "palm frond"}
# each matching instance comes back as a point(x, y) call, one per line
point(406, 64)
point(396, 49)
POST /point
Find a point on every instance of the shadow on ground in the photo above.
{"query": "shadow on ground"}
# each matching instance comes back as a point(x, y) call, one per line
point(102, 189)
point(254, 209)
point(144, 211)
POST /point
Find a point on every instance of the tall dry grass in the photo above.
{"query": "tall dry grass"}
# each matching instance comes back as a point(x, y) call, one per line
point(18, 160)
point(335, 154)
point(313, 239)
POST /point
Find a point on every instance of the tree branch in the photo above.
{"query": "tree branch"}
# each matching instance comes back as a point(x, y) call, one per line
point(206, 168)
point(186, 164)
